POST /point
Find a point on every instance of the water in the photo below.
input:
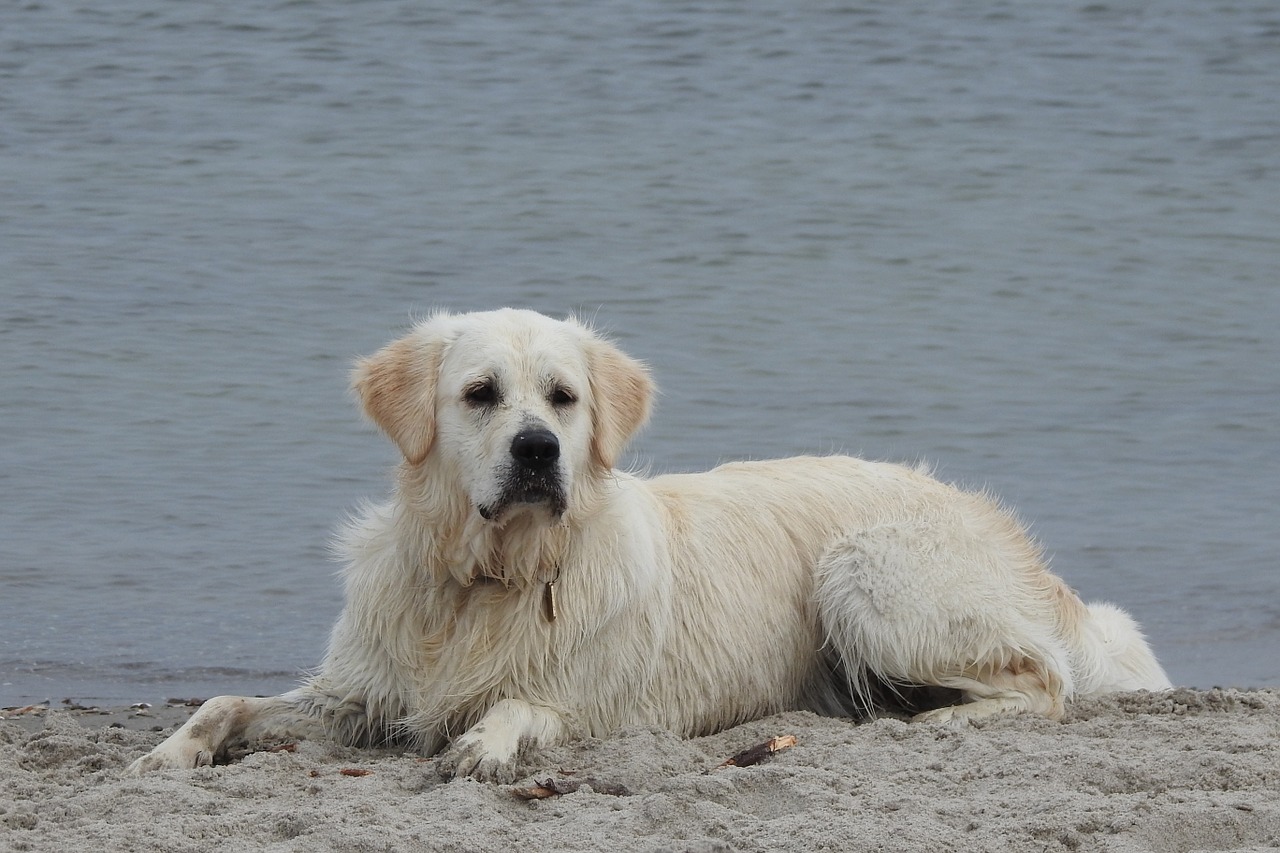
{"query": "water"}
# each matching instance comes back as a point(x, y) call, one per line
point(1036, 244)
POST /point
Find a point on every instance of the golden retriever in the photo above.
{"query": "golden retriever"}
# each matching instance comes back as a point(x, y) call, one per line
point(519, 590)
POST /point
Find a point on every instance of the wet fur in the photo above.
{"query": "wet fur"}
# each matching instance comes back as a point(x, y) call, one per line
point(690, 601)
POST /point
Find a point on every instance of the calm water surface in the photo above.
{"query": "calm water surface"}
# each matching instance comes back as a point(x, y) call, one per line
point(1037, 244)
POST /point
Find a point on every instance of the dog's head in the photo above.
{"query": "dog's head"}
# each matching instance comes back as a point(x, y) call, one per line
point(515, 405)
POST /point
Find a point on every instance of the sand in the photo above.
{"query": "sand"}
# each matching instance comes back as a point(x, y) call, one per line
point(1179, 771)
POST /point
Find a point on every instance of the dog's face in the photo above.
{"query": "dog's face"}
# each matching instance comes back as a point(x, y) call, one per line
point(513, 405)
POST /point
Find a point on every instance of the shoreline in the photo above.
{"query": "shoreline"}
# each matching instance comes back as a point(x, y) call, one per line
point(140, 716)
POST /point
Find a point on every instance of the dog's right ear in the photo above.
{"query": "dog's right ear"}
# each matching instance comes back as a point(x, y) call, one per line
point(397, 387)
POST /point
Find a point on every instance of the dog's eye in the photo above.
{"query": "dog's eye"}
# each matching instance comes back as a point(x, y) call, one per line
point(481, 393)
point(561, 396)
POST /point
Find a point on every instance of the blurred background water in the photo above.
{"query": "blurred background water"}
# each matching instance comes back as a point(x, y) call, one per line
point(1034, 243)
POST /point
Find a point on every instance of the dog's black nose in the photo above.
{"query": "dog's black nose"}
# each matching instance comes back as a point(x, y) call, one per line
point(536, 448)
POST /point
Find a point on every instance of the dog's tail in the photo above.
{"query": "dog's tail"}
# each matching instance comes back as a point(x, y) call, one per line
point(1112, 655)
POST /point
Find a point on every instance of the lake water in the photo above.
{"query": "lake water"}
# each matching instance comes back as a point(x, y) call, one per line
point(1035, 243)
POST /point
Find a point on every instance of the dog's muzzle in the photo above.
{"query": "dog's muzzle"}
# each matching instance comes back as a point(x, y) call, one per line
point(533, 474)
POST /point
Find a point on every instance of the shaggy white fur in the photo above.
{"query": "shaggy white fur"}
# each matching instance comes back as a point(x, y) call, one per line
point(518, 590)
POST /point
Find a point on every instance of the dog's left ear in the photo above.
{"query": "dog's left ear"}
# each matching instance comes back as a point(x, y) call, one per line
point(397, 386)
point(622, 396)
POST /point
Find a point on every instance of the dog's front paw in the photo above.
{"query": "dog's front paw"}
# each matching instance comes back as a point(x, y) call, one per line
point(479, 758)
point(174, 754)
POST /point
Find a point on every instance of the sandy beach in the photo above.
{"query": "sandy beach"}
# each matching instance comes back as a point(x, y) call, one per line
point(1179, 771)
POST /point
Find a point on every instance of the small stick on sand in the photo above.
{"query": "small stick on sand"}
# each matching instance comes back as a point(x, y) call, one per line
point(542, 789)
point(760, 751)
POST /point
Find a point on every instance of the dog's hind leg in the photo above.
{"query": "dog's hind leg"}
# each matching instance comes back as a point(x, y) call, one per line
point(1019, 685)
point(953, 601)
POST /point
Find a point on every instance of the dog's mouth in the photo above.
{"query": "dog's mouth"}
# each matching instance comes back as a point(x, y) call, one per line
point(526, 489)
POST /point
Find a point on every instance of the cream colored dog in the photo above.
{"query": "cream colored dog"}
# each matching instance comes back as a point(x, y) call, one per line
point(519, 590)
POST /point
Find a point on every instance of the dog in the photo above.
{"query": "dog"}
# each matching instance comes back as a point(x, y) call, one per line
point(519, 590)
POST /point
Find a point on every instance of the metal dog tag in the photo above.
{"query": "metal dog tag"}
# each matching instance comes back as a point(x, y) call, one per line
point(549, 601)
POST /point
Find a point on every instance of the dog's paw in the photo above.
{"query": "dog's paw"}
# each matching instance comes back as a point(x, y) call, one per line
point(474, 756)
point(170, 755)
point(472, 762)
point(952, 715)
point(960, 716)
